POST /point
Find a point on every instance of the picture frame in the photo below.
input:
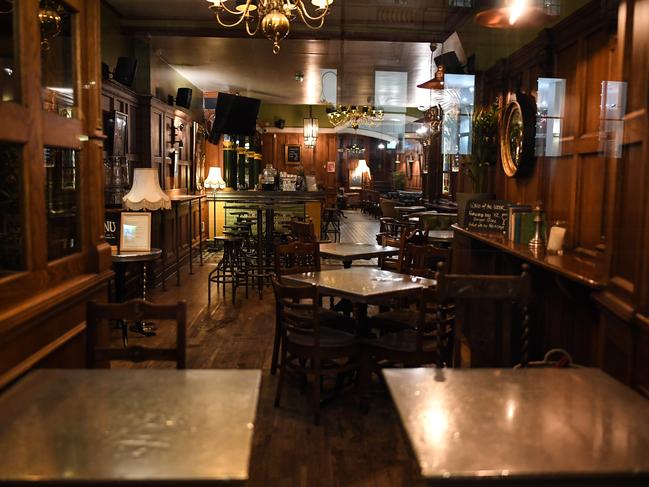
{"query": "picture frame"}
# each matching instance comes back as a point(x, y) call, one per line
point(293, 154)
point(135, 232)
point(331, 166)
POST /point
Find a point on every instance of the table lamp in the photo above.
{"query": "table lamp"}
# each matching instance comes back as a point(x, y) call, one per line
point(146, 193)
point(214, 182)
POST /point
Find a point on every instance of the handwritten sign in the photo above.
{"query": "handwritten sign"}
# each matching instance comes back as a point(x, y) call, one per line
point(488, 216)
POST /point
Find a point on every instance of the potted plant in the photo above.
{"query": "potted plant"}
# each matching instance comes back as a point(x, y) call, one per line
point(398, 180)
point(484, 154)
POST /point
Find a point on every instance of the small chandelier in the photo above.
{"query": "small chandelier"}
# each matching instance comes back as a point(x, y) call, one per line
point(311, 126)
point(272, 16)
point(354, 116)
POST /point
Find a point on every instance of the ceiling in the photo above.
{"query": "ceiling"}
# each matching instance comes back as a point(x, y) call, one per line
point(359, 39)
point(249, 67)
point(388, 20)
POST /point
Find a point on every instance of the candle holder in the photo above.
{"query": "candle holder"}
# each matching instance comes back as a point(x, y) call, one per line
point(538, 241)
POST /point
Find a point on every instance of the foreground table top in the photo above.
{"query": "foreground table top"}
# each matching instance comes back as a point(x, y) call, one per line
point(361, 284)
point(129, 425)
point(534, 423)
point(353, 251)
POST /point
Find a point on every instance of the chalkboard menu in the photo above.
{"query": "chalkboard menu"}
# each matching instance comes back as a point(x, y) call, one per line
point(111, 227)
point(488, 216)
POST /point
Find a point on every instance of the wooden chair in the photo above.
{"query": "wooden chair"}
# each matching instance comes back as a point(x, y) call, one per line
point(422, 261)
point(303, 231)
point(295, 258)
point(306, 344)
point(134, 310)
point(426, 340)
point(466, 290)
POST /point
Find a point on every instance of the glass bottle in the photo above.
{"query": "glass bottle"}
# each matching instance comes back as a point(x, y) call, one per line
point(268, 178)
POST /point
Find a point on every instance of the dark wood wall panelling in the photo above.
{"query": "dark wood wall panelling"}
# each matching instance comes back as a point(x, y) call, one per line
point(603, 198)
point(149, 137)
point(42, 308)
point(625, 302)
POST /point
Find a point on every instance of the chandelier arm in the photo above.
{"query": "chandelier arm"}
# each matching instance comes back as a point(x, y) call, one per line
point(225, 24)
point(302, 8)
point(225, 7)
point(254, 32)
point(306, 18)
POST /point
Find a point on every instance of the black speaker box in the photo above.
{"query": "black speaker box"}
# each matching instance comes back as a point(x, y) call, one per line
point(451, 63)
point(280, 124)
point(125, 71)
point(184, 97)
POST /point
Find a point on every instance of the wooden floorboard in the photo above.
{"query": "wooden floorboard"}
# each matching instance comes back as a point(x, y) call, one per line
point(347, 449)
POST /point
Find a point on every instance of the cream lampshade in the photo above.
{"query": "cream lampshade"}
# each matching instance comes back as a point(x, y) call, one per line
point(146, 193)
point(214, 179)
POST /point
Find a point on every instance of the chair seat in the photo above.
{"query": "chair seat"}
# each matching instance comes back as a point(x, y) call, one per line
point(404, 341)
point(327, 317)
point(329, 338)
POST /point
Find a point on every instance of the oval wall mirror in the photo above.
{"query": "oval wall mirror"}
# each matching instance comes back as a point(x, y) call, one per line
point(517, 136)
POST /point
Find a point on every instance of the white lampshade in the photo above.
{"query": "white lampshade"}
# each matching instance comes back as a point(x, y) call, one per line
point(146, 193)
point(214, 179)
point(362, 166)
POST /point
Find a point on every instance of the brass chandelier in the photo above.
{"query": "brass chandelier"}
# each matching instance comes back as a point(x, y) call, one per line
point(273, 17)
point(354, 115)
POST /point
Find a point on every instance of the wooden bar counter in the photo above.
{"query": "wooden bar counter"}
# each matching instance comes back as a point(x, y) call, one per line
point(563, 314)
point(311, 203)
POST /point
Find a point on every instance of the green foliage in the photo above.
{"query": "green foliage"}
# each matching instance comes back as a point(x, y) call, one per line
point(398, 180)
point(484, 144)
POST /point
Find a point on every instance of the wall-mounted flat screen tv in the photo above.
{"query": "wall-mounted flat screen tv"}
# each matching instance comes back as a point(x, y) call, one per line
point(235, 115)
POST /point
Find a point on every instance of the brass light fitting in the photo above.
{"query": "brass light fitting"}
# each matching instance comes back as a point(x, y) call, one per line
point(273, 17)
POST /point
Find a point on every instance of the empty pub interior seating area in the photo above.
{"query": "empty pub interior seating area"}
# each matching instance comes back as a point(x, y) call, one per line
point(324, 242)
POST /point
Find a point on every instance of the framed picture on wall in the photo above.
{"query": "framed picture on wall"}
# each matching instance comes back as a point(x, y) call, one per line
point(293, 154)
point(135, 232)
point(331, 166)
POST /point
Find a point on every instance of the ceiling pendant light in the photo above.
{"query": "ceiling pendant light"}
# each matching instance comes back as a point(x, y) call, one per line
point(311, 127)
point(272, 17)
point(515, 14)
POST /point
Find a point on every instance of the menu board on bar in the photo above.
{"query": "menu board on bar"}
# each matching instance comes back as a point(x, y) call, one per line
point(488, 216)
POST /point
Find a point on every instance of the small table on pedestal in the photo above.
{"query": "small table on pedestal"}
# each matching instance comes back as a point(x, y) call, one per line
point(120, 262)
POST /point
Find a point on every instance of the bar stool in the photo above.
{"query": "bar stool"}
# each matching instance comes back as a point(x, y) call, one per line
point(331, 224)
point(233, 268)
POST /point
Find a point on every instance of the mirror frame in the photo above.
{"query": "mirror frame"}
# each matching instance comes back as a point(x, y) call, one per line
point(526, 105)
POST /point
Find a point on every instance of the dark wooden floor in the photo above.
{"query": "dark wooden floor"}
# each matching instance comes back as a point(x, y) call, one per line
point(347, 449)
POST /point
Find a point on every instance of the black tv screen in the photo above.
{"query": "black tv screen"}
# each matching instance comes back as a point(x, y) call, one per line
point(235, 115)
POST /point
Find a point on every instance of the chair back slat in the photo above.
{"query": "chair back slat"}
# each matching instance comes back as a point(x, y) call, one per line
point(296, 315)
point(297, 257)
point(134, 310)
point(303, 231)
point(507, 290)
point(422, 260)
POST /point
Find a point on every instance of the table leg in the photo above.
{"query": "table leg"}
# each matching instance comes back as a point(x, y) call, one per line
point(163, 246)
point(140, 326)
point(177, 239)
point(200, 231)
point(190, 239)
point(347, 264)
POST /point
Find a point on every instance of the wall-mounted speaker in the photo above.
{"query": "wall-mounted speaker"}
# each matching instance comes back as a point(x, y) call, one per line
point(184, 97)
point(452, 64)
point(280, 124)
point(125, 71)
